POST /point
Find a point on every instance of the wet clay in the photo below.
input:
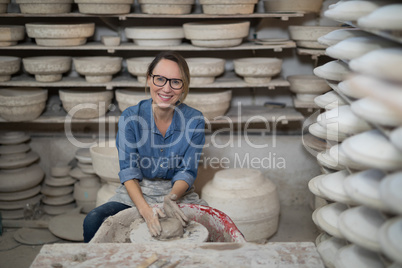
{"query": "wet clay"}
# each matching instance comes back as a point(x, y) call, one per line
point(171, 228)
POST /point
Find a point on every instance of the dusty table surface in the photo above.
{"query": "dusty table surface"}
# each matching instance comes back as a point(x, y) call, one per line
point(173, 254)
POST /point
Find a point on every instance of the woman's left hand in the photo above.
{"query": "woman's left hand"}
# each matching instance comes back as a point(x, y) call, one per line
point(172, 209)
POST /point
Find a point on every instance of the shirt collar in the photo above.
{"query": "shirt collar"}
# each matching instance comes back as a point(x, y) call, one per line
point(176, 124)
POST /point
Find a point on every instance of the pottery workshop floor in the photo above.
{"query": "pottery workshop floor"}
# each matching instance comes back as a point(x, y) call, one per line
point(295, 226)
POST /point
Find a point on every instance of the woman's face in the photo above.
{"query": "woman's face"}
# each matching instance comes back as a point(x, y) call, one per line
point(165, 96)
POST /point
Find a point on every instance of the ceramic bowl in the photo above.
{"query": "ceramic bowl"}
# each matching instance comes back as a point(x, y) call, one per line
point(86, 104)
point(351, 10)
point(171, 7)
point(306, 36)
point(14, 149)
point(22, 104)
point(334, 70)
point(155, 35)
point(336, 36)
point(83, 156)
point(44, 6)
point(315, 143)
point(258, 70)
point(337, 153)
point(329, 100)
point(396, 138)
point(20, 179)
point(326, 134)
point(126, 97)
point(327, 218)
point(228, 7)
point(13, 137)
point(56, 190)
point(138, 66)
point(204, 70)
point(51, 34)
point(390, 188)
point(8, 66)
point(19, 195)
point(307, 84)
point(326, 160)
point(105, 160)
point(216, 33)
point(389, 236)
point(348, 88)
point(58, 200)
point(110, 40)
point(328, 248)
point(60, 170)
point(313, 186)
point(331, 186)
point(304, 6)
point(47, 68)
point(354, 256)
point(384, 18)
point(11, 34)
point(104, 6)
point(98, 69)
point(211, 104)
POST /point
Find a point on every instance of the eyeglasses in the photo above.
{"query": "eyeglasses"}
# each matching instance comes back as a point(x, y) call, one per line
point(160, 81)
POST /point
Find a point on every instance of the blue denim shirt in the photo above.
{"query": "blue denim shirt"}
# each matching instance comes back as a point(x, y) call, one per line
point(145, 153)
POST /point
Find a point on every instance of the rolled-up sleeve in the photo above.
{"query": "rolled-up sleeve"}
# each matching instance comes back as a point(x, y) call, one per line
point(195, 137)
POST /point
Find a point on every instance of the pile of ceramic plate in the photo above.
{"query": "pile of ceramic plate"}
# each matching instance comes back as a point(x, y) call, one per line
point(20, 176)
point(361, 184)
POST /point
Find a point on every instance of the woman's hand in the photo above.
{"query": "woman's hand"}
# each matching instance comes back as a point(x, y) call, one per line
point(172, 210)
point(151, 217)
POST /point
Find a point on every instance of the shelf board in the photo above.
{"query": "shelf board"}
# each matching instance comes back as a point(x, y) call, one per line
point(235, 115)
point(127, 46)
point(229, 80)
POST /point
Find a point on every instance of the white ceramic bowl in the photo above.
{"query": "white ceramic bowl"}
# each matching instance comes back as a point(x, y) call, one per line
point(8, 66)
point(386, 18)
point(228, 7)
point(329, 100)
point(304, 6)
point(13, 180)
point(334, 70)
point(390, 188)
point(11, 34)
point(211, 103)
point(44, 6)
point(86, 104)
point(105, 160)
point(354, 256)
point(257, 70)
point(327, 218)
point(138, 66)
point(351, 10)
point(98, 69)
point(336, 36)
point(104, 6)
point(155, 35)
point(307, 84)
point(216, 33)
point(390, 235)
point(204, 70)
point(47, 68)
point(306, 36)
point(171, 7)
point(127, 98)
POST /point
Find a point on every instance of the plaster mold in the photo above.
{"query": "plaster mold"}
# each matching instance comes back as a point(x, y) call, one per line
point(86, 104)
point(104, 6)
point(22, 104)
point(216, 33)
point(11, 34)
point(155, 36)
point(105, 160)
point(47, 68)
point(211, 104)
point(44, 6)
point(54, 35)
point(98, 69)
point(248, 198)
point(305, 6)
point(310, 84)
point(127, 98)
point(257, 70)
point(8, 66)
point(306, 36)
point(138, 66)
point(172, 7)
point(228, 7)
point(20, 179)
point(204, 70)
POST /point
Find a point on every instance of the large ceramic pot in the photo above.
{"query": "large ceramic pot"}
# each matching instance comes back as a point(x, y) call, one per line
point(248, 198)
point(11, 34)
point(211, 104)
point(105, 160)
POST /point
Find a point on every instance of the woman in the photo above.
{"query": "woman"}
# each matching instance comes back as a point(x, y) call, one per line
point(159, 143)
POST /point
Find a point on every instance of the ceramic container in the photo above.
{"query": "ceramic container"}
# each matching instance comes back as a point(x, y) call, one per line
point(326, 134)
point(13, 137)
point(211, 103)
point(257, 70)
point(14, 149)
point(389, 236)
point(351, 10)
point(228, 7)
point(348, 88)
point(126, 98)
point(19, 195)
point(11, 161)
point(57, 210)
point(331, 186)
point(51, 34)
point(138, 66)
point(155, 35)
point(110, 40)
point(385, 18)
point(204, 70)
point(306, 36)
point(58, 200)
point(104, 6)
point(44, 6)
point(329, 100)
point(83, 156)
point(327, 161)
point(61, 181)
point(313, 186)
point(60, 170)
point(98, 69)
point(47, 68)
point(336, 36)
point(86, 196)
point(337, 153)
point(171, 7)
point(22, 104)
point(18, 204)
point(105, 160)
point(86, 168)
point(248, 198)
point(390, 188)
point(56, 190)
point(327, 218)
point(307, 84)
point(354, 256)
point(78, 174)
point(304, 6)
point(216, 33)
point(86, 104)
point(12, 180)
point(328, 248)
point(334, 70)
point(8, 66)
point(11, 34)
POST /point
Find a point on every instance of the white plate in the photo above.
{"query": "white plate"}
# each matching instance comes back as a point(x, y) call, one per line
point(336, 36)
point(390, 191)
point(390, 237)
point(364, 188)
point(325, 134)
point(30, 236)
point(329, 100)
point(360, 225)
point(325, 159)
point(337, 153)
point(396, 138)
point(68, 226)
point(373, 150)
point(384, 18)
point(327, 218)
point(328, 248)
point(331, 185)
point(333, 70)
point(355, 256)
point(313, 186)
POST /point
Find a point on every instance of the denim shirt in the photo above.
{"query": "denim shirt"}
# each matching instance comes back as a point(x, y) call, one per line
point(145, 153)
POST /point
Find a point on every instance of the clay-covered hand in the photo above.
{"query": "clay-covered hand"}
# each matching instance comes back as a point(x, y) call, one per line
point(151, 217)
point(172, 210)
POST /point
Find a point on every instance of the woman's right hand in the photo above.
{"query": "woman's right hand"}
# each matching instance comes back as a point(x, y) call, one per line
point(151, 217)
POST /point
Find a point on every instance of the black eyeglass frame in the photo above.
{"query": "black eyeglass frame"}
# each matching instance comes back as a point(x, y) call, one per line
point(166, 80)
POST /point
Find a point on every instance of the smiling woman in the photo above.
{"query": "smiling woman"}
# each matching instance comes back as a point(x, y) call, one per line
point(159, 143)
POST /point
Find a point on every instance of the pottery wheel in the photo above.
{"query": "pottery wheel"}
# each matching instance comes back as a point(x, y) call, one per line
point(193, 233)
point(68, 226)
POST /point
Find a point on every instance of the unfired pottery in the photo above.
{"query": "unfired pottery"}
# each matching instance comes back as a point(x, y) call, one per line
point(248, 198)
point(14, 149)
point(83, 155)
point(155, 36)
point(13, 137)
point(105, 160)
point(47, 68)
point(8, 66)
point(336, 36)
point(327, 218)
point(228, 7)
point(78, 174)
point(334, 70)
point(313, 186)
point(51, 34)
point(44, 6)
point(306, 36)
point(63, 181)
point(12, 214)
point(347, 87)
point(57, 210)
point(126, 98)
point(390, 236)
point(351, 10)
point(331, 186)
point(86, 104)
point(86, 168)
point(11, 34)
point(86, 196)
point(58, 200)
point(56, 190)
point(326, 134)
point(13, 161)
point(211, 103)
point(110, 40)
point(104, 6)
point(326, 160)
point(138, 66)
point(98, 69)
point(18, 195)
point(329, 100)
point(304, 6)
point(216, 33)
point(337, 153)
point(31, 236)
point(22, 104)
point(170, 7)
point(68, 226)
point(390, 189)
point(386, 18)
point(204, 70)
point(354, 256)
point(257, 70)
point(18, 204)
point(328, 248)
point(396, 138)
point(60, 170)
point(307, 84)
